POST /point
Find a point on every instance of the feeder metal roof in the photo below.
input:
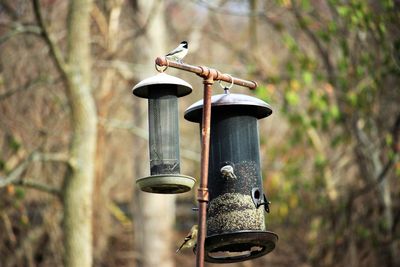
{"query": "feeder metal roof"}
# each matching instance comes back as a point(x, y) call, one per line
point(142, 88)
point(251, 106)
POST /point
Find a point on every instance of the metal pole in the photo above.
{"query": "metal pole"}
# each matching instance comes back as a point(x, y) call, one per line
point(202, 196)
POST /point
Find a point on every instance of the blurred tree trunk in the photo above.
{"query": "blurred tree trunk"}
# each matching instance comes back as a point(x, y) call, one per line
point(78, 184)
point(102, 223)
point(154, 214)
point(253, 27)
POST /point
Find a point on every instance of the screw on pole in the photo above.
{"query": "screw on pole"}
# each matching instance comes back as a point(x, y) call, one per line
point(209, 75)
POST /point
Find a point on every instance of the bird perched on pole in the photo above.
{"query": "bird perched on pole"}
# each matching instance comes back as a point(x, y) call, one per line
point(190, 240)
point(227, 172)
point(178, 53)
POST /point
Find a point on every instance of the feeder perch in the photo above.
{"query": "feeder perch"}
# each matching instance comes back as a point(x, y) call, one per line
point(235, 213)
point(162, 92)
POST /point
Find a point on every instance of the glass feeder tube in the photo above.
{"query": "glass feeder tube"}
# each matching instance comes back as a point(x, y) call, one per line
point(162, 92)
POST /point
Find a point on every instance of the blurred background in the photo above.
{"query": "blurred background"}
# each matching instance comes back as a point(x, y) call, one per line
point(73, 138)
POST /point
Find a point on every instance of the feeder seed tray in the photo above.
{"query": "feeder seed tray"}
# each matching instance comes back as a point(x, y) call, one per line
point(166, 184)
point(239, 246)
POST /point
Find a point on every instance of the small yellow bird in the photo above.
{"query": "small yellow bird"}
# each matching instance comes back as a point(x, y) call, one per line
point(190, 240)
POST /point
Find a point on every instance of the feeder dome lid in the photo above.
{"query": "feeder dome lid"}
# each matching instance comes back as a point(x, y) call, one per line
point(245, 104)
point(142, 88)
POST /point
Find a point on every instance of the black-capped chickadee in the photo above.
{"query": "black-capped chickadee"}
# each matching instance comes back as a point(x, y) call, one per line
point(227, 172)
point(190, 240)
point(178, 53)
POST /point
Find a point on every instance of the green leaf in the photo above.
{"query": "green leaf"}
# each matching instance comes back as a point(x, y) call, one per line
point(292, 98)
point(290, 42)
point(263, 93)
point(2, 164)
point(19, 193)
point(318, 102)
point(363, 232)
point(360, 70)
point(382, 27)
point(343, 64)
point(14, 144)
point(332, 27)
point(324, 35)
point(388, 4)
point(352, 98)
point(307, 77)
point(343, 11)
point(305, 5)
point(334, 112)
point(320, 161)
point(336, 140)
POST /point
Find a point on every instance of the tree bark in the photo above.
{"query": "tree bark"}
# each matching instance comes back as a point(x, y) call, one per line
point(253, 26)
point(78, 184)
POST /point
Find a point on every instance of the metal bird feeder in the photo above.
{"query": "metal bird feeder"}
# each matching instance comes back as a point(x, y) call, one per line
point(235, 213)
point(162, 92)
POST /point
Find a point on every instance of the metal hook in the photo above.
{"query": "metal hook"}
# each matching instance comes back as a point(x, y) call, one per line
point(161, 70)
point(226, 88)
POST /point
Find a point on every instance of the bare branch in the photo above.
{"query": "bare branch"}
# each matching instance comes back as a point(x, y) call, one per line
point(54, 49)
point(119, 214)
point(27, 86)
point(9, 10)
point(16, 174)
point(317, 43)
point(30, 183)
point(15, 177)
point(56, 157)
point(219, 9)
point(17, 29)
point(26, 243)
point(141, 30)
point(395, 132)
point(142, 133)
point(8, 225)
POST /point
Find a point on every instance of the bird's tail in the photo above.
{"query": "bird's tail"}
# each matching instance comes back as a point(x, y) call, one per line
point(180, 247)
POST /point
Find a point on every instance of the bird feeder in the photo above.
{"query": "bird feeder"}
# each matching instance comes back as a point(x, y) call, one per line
point(235, 214)
point(162, 92)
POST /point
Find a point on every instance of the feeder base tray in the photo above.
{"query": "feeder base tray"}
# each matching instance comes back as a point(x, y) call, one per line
point(239, 246)
point(166, 183)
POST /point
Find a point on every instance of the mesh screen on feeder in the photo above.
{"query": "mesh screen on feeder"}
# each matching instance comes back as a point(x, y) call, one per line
point(163, 129)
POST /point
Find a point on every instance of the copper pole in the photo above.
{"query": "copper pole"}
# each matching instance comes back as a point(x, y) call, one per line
point(202, 196)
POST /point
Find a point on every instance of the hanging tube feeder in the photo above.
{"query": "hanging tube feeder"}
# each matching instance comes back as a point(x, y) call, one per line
point(235, 213)
point(162, 92)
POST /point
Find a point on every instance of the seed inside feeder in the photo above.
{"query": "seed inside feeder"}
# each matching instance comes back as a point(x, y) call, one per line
point(232, 212)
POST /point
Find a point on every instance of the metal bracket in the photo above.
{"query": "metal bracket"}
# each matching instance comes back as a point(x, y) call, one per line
point(202, 194)
point(258, 200)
